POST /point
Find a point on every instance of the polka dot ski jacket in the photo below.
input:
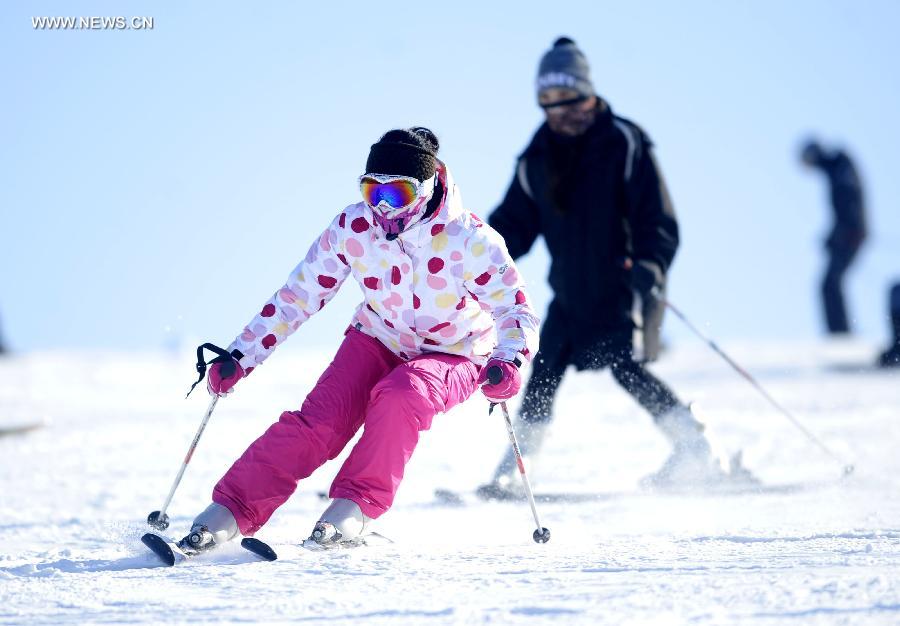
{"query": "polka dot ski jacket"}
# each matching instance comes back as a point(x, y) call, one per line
point(446, 284)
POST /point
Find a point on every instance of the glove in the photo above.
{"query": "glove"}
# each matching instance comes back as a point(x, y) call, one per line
point(224, 372)
point(645, 275)
point(509, 384)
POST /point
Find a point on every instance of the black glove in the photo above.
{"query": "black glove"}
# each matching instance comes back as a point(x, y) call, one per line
point(645, 275)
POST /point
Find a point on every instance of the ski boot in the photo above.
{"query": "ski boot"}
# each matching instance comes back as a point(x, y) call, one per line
point(891, 356)
point(213, 527)
point(692, 463)
point(506, 484)
point(343, 523)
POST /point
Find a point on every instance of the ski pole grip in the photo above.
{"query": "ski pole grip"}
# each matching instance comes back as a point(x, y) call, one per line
point(202, 364)
point(494, 375)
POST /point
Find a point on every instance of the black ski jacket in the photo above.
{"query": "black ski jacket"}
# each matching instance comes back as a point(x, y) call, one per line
point(849, 230)
point(597, 200)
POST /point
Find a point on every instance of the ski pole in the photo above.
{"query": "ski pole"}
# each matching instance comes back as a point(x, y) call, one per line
point(159, 519)
point(847, 467)
point(541, 534)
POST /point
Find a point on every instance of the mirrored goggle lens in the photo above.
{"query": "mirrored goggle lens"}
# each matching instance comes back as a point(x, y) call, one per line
point(396, 193)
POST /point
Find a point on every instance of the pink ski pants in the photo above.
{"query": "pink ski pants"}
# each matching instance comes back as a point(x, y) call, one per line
point(365, 385)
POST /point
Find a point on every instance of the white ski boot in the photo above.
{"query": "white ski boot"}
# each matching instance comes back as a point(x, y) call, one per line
point(213, 527)
point(692, 463)
point(506, 483)
point(343, 522)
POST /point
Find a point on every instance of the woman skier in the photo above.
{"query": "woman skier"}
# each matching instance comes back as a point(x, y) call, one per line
point(443, 303)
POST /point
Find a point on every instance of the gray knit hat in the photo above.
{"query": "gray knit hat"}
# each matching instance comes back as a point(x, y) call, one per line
point(564, 65)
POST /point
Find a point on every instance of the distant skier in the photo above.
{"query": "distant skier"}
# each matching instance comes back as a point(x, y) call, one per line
point(891, 356)
point(589, 184)
point(442, 302)
point(849, 230)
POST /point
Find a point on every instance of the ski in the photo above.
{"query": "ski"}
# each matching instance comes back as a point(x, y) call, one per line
point(170, 553)
point(459, 498)
point(259, 548)
point(19, 429)
point(450, 497)
point(164, 549)
point(369, 539)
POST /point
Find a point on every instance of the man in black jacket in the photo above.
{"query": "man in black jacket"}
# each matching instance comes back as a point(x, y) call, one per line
point(588, 183)
point(849, 230)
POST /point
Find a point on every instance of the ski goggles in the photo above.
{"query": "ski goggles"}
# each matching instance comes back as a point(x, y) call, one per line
point(562, 105)
point(397, 192)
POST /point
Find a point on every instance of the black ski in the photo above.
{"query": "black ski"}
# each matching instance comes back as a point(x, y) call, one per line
point(160, 547)
point(169, 552)
point(259, 548)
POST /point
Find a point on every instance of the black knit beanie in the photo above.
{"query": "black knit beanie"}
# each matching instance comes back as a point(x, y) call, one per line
point(408, 152)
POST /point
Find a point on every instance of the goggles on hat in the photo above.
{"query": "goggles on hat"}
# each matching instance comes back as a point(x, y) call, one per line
point(397, 192)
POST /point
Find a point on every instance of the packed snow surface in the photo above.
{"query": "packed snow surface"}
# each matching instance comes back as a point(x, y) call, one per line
point(811, 547)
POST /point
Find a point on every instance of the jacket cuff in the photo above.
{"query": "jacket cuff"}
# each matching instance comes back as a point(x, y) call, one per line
point(246, 361)
point(508, 355)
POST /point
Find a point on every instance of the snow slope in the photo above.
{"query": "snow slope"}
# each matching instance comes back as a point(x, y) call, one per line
point(819, 550)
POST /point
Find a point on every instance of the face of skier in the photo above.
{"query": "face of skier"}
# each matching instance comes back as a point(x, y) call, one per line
point(568, 113)
point(390, 194)
point(395, 201)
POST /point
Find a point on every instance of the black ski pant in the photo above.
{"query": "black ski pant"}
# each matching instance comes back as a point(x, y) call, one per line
point(612, 349)
point(895, 312)
point(839, 260)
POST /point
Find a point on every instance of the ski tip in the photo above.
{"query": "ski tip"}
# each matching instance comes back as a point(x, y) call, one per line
point(21, 429)
point(160, 547)
point(376, 538)
point(259, 548)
